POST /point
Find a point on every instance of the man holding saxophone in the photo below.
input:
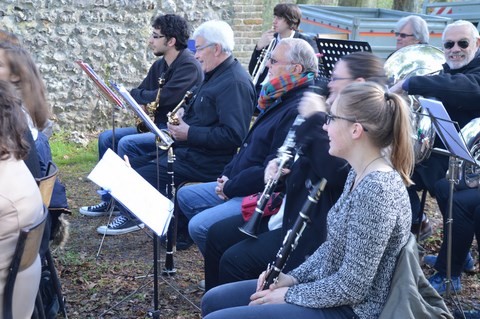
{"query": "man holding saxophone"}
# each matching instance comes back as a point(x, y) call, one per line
point(458, 88)
point(178, 70)
point(210, 128)
point(286, 19)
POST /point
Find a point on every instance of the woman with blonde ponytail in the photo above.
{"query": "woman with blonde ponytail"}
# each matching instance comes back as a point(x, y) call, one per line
point(350, 274)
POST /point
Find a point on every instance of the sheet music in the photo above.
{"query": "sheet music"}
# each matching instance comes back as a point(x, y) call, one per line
point(133, 192)
point(101, 85)
point(141, 114)
point(446, 129)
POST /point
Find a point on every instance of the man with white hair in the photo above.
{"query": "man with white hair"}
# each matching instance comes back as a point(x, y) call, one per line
point(458, 88)
point(212, 125)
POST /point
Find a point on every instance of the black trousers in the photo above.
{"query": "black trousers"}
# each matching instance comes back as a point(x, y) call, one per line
point(233, 256)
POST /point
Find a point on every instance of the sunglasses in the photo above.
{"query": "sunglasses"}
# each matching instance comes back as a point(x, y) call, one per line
point(403, 35)
point(450, 44)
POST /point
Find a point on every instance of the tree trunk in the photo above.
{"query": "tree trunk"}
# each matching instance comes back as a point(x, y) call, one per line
point(404, 5)
point(358, 3)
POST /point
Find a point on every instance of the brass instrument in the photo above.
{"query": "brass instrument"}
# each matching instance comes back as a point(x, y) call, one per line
point(471, 172)
point(413, 60)
point(150, 109)
point(173, 119)
point(262, 61)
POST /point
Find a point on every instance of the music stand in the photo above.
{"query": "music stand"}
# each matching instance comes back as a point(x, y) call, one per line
point(110, 96)
point(333, 49)
point(168, 142)
point(457, 151)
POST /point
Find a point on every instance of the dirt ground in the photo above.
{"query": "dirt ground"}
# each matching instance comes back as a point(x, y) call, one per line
point(119, 283)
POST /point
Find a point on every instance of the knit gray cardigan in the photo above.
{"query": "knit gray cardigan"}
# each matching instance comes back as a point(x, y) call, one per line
point(367, 228)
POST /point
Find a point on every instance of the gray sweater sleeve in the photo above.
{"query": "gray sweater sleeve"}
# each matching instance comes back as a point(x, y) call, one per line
point(345, 269)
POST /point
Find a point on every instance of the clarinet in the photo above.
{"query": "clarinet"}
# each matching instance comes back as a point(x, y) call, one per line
point(170, 190)
point(284, 158)
point(293, 235)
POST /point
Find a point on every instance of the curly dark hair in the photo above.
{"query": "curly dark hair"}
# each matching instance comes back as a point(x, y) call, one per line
point(173, 26)
point(13, 124)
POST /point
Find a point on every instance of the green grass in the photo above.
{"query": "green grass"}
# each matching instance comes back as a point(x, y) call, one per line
point(67, 153)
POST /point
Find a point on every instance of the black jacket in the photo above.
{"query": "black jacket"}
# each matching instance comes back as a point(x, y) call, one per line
point(182, 75)
point(458, 90)
point(219, 116)
point(246, 170)
point(313, 164)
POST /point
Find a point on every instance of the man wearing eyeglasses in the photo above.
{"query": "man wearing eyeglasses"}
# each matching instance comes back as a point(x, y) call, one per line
point(457, 86)
point(211, 126)
point(180, 71)
point(411, 30)
point(292, 67)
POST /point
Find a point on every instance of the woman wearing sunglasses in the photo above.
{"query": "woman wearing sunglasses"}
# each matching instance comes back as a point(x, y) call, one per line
point(349, 275)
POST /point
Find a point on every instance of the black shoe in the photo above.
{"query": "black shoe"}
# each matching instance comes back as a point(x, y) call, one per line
point(121, 225)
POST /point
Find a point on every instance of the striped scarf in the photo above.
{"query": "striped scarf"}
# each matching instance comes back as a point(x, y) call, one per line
point(278, 86)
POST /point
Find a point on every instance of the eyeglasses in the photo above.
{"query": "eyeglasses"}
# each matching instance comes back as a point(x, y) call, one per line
point(403, 35)
point(334, 78)
point(157, 36)
point(330, 117)
point(450, 44)
point(200, 48)
point(275, 61)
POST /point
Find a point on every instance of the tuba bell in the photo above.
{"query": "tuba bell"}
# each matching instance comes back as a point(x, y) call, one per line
point(413, 60)
point(471, 172)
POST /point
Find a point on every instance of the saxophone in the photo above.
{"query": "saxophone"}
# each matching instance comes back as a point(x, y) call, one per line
point(150, 108)
point(173, 118)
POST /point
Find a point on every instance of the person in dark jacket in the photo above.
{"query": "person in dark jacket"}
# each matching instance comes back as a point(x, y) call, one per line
point(231, 255)
point(212, 125)
point(180, 71)
point(458, 88)
point(292, 67)
point(286, 19)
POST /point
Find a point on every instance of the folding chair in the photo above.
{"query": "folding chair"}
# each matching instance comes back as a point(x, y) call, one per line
point(26, 253)
point(45, 184)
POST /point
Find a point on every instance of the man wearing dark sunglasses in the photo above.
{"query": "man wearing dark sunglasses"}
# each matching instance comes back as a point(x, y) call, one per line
point(457, 86)
point(411, 30)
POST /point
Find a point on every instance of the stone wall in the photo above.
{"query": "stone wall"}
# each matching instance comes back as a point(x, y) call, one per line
point(110, 35)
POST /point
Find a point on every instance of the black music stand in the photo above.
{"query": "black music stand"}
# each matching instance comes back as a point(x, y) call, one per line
point(457, 150)
point(168, 142)
point(333, 49)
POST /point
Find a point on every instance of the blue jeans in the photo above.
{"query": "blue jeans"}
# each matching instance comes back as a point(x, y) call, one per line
point(127, 142)
point(231, 301)
point(204, 208)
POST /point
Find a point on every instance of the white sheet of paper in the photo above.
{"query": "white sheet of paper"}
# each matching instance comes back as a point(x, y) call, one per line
point(446, 130)
point(133, 191)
